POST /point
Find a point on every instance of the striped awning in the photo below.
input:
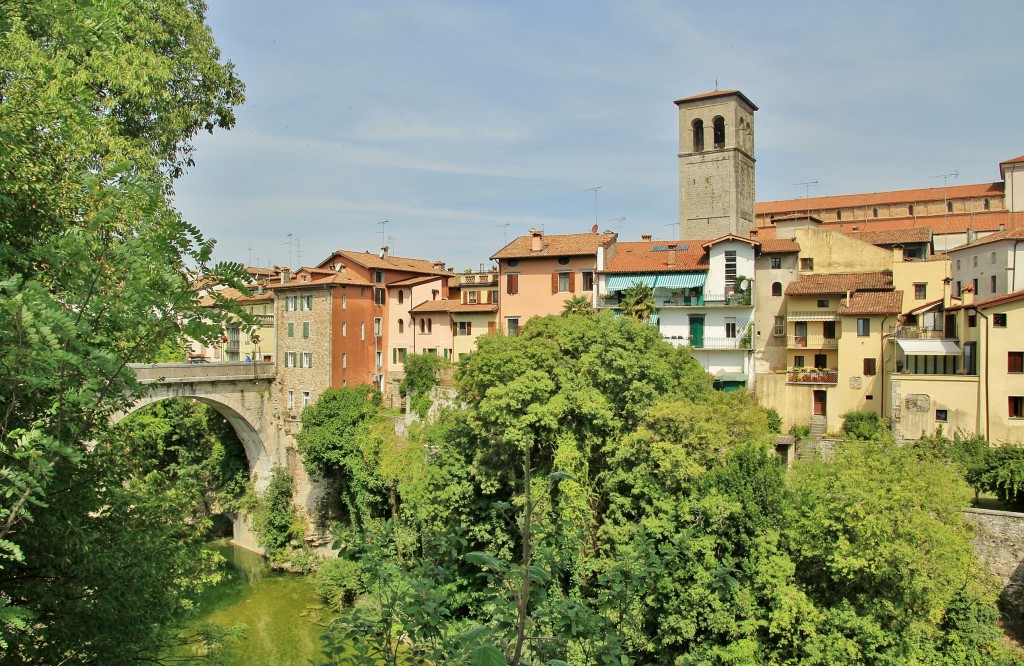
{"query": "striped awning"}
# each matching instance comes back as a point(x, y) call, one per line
point(681, 280)
point(626, 280)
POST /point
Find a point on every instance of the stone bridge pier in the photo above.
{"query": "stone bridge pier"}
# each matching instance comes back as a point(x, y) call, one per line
point(242, 394)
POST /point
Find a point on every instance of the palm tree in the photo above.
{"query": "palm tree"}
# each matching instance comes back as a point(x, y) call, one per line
point(577, 305)
point(638, 302)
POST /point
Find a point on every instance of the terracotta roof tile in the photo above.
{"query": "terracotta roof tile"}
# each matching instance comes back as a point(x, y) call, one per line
point(409, 282)
point(329, 280)
point(1014, 160)
point(940, 224)
point(778, 245)
point(564, 245)
point(1009, 234)
point(894, 236)
point(839, 283)
point(641, 257)
point(371, 260)
point(730, 237)
point(872, 303)
point(872, 198)
point(991, 302)
point(447, 305)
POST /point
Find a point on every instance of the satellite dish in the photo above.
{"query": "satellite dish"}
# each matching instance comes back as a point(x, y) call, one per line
point(745, 285)
point(593, 229)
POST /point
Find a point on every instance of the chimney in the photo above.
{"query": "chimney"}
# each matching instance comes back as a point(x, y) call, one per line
point(536, 240)
point(645, 237)
point(967, 295)
point(439, 265)
point(671, 260)
point(384, 252)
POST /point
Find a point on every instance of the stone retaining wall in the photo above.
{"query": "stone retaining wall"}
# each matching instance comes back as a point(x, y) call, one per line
point(999, 544)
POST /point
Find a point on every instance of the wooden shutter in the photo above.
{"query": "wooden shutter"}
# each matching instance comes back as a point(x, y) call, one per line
point(512, 283)
point(492, 326)
point(554, 283)
point(572, 282)
point(469, 328)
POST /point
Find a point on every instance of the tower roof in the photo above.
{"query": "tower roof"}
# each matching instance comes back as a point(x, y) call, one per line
point(714, 94)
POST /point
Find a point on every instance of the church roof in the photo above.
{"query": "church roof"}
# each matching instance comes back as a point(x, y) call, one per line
point(716, 93)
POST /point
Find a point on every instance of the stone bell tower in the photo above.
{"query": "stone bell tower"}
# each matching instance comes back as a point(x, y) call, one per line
point(716, 164)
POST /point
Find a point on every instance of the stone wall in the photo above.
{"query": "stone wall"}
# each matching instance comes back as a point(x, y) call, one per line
point(999, 544)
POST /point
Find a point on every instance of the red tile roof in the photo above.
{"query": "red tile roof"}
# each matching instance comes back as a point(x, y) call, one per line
point(894, 236)
point(714, 94)
point(874, 198)
point(730, 237)
point(409, 282)
point(778, 245)
point(839, 283)
point(1009, 234)
point(991, 302)
point(872, 303)
point(564, 245)
point(940, 224)
point(453, 306)
point(374, 261)
point(327, 281)
point(641, 257)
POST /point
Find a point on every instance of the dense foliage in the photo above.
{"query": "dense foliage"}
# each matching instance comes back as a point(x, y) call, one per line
point(597, 503)
point(99, 102)
point(421, 376)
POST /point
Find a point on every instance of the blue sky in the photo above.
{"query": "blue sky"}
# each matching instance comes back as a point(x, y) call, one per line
point(451, 119)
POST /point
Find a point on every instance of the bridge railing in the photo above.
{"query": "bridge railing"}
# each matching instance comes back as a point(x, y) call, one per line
point(180, 373)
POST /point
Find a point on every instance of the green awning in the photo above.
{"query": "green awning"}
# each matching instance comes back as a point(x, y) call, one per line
point(625, 281)
point(681, 280)
point(655, 318)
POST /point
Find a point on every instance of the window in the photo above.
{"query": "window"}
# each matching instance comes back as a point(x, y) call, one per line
point(776, 289)
point(974, 261)
point(910, 209)
point(869, 367)
point(999, 319)
point(780, 327)
point(959, 288)
point(863, 327)
point(430, 325)
point(401, 326)
point(730, 327)
point(920, 291)
point(974, 282)
point(986, 205)
point(563, 261)
point(1016, 406)
point(362, 331)
point(588, 280)
point(839, 216)
point(494, 296)
point(380, 359)
point(344, 301)
point(378, 277)
point(512, 283)
point(874, 212)
point(309, 301)
point(465, 328)
point(820, 361)
point(970, 358)
point(344, 360)
point(807, 264)
point(993, 285)
point(289, 359)
point(697, 126)
point(291, 399)
point(949, 206)
point(512, 326)
point(291, 330)
point(512, 263)
point(379, 295)
point(776, 262)
point(822, 302)
point(307, 359)
point(306, 399)
point(1015, 361)
point(941, 415)
point(730, 269)
point(398, 355)
point(305, 329)
point(972, 320)
point(798, 361)
point(992, 260)
point(423, 325)
point(377, 325)
point(401, 296)
point(562, 282)
point(344, 329)
point(958, 264)
point(719, 131)
point(828, 330)
point(472, 296)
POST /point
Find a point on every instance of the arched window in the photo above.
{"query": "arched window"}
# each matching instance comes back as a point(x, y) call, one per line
point(698, 135)
point(949, 206)
point(839, 215)
point(776, 289)
point(719, 123)
point(401, 324)
point(986, 204)
point(910, 209)
point(401, 296)
point(423, 325)
point(430, 325)
point(874, 212)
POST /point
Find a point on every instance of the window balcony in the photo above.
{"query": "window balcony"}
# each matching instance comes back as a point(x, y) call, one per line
point(812, 376)
point(707, 343)
point(922, 333)
point(811, 342)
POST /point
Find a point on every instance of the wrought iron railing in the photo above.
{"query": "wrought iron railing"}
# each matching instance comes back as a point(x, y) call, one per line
point(809, 376)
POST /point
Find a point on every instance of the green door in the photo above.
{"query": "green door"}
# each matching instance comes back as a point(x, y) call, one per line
point(697, 331)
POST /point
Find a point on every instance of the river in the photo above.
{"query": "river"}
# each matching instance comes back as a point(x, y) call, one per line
point(282, 612)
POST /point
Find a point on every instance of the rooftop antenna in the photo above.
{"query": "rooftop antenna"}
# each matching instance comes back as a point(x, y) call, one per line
point(594, 190)
point(383, 226)
point(250, 253)
point(672, 224)
point(298, 251)
point(289, 251)
point(945, 180)
point(807, 192)
point(618, 227)
point(391, 244)
point(504, 231)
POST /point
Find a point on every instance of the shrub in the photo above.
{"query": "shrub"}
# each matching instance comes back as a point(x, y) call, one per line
point(1001, 473)
point(774, 420)
point(339, 581)
point(865, 425)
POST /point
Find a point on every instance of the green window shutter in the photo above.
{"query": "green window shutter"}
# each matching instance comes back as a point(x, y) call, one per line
point(394, 354)
point(291, 330)
point(305, 329)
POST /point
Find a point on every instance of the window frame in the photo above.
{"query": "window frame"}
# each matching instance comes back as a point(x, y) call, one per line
point(863, 327)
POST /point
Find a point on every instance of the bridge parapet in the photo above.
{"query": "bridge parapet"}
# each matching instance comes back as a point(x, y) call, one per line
point(179, 373)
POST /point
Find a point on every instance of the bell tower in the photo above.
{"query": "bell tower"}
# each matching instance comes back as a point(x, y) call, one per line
point(716, 165)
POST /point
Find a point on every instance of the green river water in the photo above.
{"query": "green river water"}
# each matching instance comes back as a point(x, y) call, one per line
point(282, 611)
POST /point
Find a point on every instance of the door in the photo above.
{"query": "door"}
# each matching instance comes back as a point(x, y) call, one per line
point(800, 333)
point(950, 327)
point(820, 361)
point(697, 331)
point(819, 402)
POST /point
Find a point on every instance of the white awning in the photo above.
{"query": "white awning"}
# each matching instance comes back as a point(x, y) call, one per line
point(929, 347)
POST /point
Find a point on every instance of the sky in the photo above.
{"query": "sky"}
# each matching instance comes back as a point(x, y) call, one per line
point(464, 124)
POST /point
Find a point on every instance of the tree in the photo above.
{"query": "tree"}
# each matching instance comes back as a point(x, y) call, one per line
point(421, 376)
point(638, 302)
point(99, 103)
point(577, 305)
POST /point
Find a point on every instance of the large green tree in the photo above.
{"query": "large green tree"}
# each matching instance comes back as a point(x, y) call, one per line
point(99, 103)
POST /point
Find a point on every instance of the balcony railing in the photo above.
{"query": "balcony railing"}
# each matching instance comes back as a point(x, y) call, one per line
point(709, 343)
point(265, 319)
point(809, 376)
point(812, 342)
point(607, 301)
point(922, 333)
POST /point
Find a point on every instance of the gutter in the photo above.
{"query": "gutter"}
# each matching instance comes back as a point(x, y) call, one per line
point(987, 373)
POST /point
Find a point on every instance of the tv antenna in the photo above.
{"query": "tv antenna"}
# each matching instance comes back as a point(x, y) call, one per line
point(807, 192)
point(672, 224)
point(620, 220)
point(383, 226)
point(289, 244)
point(504, 231)
point(594, 190)
point(945, 181)
point(250, 253)
point(298, 252)
point(391, 244)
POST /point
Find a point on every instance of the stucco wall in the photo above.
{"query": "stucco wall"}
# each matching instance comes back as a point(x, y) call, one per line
point(914, 399)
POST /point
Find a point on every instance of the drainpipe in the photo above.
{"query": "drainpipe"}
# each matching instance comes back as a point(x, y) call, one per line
point(1012, 287)
point(886, 389)
point(987, 407)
